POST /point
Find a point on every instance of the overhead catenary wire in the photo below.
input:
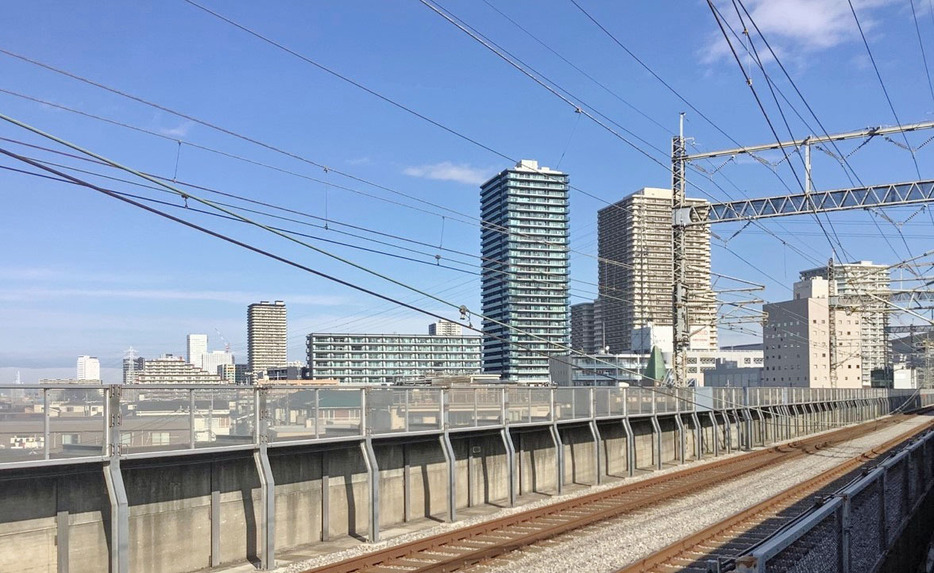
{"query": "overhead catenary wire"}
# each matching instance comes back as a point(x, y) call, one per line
point(554, 90)
point(261, 226)
point(842, 159)
point(765, 114)
point(292, 232)
point(885, 91)
point(267, 146)
point(924, 58)
point(327, 276)
point(771, 86)
point(451, 214)
point(433, 258)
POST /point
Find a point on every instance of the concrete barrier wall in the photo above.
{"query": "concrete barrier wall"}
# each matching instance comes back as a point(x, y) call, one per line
point(614, 449)
point(537, 463)
point(579, 461)
point(187, 512)
point(41, 513)
point(489, 469)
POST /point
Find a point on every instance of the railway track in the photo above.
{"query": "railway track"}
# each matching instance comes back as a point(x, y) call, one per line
point(713, 549)
point(470, 545)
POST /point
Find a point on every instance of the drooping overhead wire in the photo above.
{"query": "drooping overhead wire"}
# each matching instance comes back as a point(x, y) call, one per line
point(924, 58)
point(597, 82)
point(448, 212)
point(432, 259)
point(357, 287)
point(842, 159)
point(559, 92)
point(718, 17)
point(885, 90)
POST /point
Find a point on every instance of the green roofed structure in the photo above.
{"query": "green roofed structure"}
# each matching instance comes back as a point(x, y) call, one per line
point(655, 371)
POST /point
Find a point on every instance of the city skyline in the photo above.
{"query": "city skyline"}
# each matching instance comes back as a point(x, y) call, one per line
point(95, 277)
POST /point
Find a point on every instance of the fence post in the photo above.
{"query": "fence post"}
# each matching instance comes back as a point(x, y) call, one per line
point(46, 424)
point(267, 484)
point(116, 490)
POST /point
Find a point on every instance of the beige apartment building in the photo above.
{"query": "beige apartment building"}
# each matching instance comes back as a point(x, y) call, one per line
point(797, 339)
point(635, 270)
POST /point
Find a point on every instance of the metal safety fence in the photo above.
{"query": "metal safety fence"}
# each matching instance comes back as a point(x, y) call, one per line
point(852, 531)
point(55, 423)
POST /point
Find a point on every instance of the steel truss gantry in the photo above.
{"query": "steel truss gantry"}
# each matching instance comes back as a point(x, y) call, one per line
point(808, 202)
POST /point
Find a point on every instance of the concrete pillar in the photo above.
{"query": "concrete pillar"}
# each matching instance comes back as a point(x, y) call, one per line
point(268, 488)
point(448, 449)
point(681, 440)
point(559, 457)
point(597, 454)
point(715, 430)
point(119, 518)
point(372, 469)
point(747, 423)
point(727, 431)
point(326, 498)
point(698, 436)
point(511, 461)
point(61, 537)
point(630, 447)
point(406, 485)
point(116, 490)
point(215, 517)
point(657, 442)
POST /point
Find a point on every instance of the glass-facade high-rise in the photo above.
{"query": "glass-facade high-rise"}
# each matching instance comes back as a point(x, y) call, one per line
point(524, 244)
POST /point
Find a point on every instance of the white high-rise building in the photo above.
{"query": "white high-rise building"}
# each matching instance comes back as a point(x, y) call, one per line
point(808, 344)
point(267, 336)
point(868, 287)
point(445, 328)
point(197, 346)
point(636, 275)
point(211, 360)
point(89, 368)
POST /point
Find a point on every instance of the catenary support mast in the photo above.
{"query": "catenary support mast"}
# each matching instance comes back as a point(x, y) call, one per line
point(808, 202)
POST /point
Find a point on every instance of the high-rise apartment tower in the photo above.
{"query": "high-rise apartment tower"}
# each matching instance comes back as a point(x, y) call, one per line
point(863, 287)
point(582, 328)
point(267, 335)
point(524, 243)
point(635, 270)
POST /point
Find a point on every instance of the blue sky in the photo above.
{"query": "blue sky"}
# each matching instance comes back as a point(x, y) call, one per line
point(81, 273)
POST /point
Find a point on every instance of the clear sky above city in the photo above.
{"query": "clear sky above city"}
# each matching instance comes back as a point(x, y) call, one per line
point(385, 173)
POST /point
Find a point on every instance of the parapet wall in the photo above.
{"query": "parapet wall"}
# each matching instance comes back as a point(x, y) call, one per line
point(182, 510)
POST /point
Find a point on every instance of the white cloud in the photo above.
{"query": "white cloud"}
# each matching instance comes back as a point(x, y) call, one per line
point(447, 171)
point(180, 130)
point(795, 26)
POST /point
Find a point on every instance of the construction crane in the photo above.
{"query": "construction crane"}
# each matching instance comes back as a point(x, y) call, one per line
point(226, 342)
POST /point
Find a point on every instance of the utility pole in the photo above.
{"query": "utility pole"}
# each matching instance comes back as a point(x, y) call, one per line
point(832, 320)
point(680, 323)
point(809, 202)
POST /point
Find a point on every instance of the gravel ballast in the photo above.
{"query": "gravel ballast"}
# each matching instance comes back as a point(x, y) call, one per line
point(610, 545)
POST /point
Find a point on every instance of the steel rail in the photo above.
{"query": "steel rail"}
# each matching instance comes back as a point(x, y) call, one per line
point(725, 533)
point(456, 549)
